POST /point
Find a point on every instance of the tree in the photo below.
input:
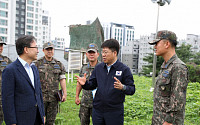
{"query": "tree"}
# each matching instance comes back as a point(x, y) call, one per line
point(183, 52)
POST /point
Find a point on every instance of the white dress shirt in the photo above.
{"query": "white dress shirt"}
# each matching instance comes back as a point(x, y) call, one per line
point(28, 70)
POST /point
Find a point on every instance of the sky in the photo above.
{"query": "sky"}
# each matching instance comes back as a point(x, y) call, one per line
point(180, 16)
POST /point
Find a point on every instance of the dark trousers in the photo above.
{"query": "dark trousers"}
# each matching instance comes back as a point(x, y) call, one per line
point(108, 118)
point(38, 120)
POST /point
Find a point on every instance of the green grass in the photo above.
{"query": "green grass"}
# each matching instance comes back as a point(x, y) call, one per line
point(138, 109)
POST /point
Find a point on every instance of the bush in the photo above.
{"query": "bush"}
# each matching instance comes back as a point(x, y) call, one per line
point(194, 72)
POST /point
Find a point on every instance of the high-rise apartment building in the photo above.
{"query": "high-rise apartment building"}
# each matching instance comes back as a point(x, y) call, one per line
point(130, 55)
point(24, 17)
point(7, 20)
point(194, 41)
point(144, 50)
point(46, 27)
point(59, 43)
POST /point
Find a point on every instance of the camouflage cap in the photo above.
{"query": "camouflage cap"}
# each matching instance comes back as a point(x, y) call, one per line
point(165, 34)
point(2, 42)
point(48, 45)
point(92, 47)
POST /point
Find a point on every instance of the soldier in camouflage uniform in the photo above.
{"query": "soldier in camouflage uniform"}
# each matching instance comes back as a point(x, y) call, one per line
point(171, 83)
point(4, 61)
point(87, 98)
point(51, 73)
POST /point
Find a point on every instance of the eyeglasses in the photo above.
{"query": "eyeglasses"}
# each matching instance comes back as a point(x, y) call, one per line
point(105, 52)
point(33, 47)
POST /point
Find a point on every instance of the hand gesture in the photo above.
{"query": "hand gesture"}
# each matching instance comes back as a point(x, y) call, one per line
point(81, 80)
point(118, 84)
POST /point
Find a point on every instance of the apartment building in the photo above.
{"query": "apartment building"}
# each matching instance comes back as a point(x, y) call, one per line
point(130, 55)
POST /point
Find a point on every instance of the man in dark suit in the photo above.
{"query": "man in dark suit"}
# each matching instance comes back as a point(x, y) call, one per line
point(21, 89)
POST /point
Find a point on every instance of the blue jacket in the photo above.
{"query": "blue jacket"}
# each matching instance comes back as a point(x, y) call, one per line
point(19, 98)
point(107, 98)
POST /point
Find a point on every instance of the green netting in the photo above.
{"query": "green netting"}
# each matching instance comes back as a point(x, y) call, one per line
point(82, 35)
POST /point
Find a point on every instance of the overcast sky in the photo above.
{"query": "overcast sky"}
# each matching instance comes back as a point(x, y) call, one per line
point(181, 16)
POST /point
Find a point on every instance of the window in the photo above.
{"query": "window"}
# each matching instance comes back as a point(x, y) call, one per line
point(30, 2)
point(22, 19)
point(36, 28)
point(29, 15)
point(3, 30)
point(36, 22)
point(29, 33)
point(22, 7)
point(3, 22)
point(22, 25)
point(36, 16)
point(30, 8)
point(36, 9)
point(3, 5)
point(3, 13)
point(4, 39)
point(21, 31)
point(30, 21)
point(29, 27)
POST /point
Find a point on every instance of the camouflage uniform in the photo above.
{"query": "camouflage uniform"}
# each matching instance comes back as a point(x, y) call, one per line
point(87, 98)
point(51, 72)
point(170, 93)
point(4, 61)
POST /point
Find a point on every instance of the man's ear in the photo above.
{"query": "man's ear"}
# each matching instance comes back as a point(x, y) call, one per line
point(167, 44)
point(25, 49)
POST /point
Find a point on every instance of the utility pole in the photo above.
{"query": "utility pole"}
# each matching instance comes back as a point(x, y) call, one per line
point(160, 3)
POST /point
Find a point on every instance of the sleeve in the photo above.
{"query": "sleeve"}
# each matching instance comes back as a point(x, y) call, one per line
point(63, 72)
point(92, 83)
point(128, 81)
point(8, 101)
point(178, 92)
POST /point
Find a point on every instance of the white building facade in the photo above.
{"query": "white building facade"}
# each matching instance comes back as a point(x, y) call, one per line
point(46, 27)
point(144, 50)
point(23, 17)
point(59, 43)
point(130, 55)
point(7, 20)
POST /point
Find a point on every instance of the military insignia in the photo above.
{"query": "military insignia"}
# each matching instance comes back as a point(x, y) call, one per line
point(163, 87)
point(41, 67)
point(3, 63)
point(56, 66)
point(118, 73)
point(165, 74)
point(91, 45)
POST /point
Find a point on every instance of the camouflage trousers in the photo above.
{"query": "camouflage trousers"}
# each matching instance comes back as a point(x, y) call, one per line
point(1, 113)
point(84, 115)
point(51, 109)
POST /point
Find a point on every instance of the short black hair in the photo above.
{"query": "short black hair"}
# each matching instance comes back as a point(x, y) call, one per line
point(173, 43)
point(112, 44)
point(23, 41)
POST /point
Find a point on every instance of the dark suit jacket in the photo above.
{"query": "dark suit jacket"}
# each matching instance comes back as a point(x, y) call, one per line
point(19, 98)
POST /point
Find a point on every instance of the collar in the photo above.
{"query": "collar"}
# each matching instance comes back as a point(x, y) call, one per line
point(115, 64)
point(24, 63)
point(45, 61)
point(165, 65)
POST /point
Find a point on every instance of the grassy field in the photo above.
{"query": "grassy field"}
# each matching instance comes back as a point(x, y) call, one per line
point(138, 108)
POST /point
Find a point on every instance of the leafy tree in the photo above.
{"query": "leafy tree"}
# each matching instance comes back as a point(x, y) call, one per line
point(149, 68)
point(196, 58)
point(184, 53)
